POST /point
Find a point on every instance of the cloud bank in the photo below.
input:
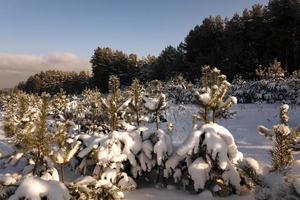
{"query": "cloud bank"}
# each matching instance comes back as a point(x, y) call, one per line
point(18, 67)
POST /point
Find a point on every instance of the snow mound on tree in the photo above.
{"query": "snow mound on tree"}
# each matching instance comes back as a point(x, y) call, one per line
point(199, 171)
point(259, 168)
point(34, 188)
point(220, 148)
point(219, 141)
point(163, 148)
point(9, 179)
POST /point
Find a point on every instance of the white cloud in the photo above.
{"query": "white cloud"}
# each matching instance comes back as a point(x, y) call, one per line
point(18, 67)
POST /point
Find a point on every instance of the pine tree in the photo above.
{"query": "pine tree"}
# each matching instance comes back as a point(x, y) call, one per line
point(211, 97)
point(113, 100)
point(34, 136)
point(260, 72)
point(284, 137)
point(65, 150)
point(179, 90)
point(19, 112)
point(156, 101)
point(95, 189)
point(208, 157)
point(281, 151)
point(113, 107)
point(283, 140)
point(90, 109)
point(136, 103)
point(10, 118)
point(59, 102)
point(275, 70)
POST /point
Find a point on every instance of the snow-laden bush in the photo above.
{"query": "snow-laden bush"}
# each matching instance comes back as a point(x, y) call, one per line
point(271, 87)
point(269, 90)
point(284, 139)
point(281, 180)
point(88, 187)
point(270, 184)
point(178, 90)
point(208, 157)
point(209, 154)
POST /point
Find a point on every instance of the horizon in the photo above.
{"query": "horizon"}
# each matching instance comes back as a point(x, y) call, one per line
point(37, 36)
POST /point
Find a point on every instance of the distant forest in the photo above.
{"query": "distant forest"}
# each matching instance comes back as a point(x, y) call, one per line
point(237, 46)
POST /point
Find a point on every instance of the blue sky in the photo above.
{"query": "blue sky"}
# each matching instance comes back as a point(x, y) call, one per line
point(40, 27)
point(39, 35)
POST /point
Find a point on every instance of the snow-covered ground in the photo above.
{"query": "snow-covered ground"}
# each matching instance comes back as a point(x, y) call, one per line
point(173, 194)
point(242, 126)
point(5, 148)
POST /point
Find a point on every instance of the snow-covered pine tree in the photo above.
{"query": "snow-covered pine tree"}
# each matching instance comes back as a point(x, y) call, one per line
point(19, 110)
point(279, 181)
point(59, 103)
point(275, 71)
point(34, 136)
point(127, 146)
point(155, 101)
point(136, 104)
point(211, 97)
point(294, 88)
point(281, 151)
point(90, 112)
point(87, 188)
point(115, 104)
point(106, 155)
point(239, 89)
point(260, 72)
point(283, 138)
point(208, 157)
point(179, 90)
point(113, 101)
point(160, 141)
point(2, 100)
point(273, 85)
point(11, 118)
point(65, 148)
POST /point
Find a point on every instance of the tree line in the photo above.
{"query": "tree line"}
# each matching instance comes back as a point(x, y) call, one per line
point(52, 81)
point(237, 46)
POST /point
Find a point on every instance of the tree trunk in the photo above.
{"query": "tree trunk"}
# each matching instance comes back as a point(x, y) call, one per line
point(62, 172)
